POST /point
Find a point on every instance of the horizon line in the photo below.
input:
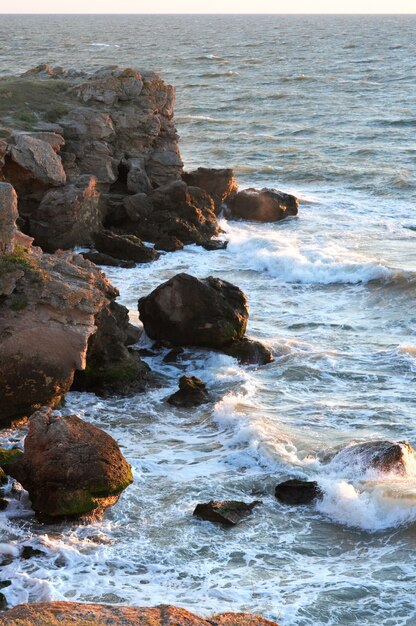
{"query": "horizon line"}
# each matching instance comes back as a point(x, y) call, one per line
point(214, 14)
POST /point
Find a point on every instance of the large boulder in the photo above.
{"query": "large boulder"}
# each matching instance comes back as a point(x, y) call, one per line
point(296, 491)
point(69, 467)
point(188, 311)
point(220, 184)
point(382, 456)
point(32, 158)
point(75, 614)
point(266, 205)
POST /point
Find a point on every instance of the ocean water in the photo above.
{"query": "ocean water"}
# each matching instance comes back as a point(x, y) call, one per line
point(323, 107)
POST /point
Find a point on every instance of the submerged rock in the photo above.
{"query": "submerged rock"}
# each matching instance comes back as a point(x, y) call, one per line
point(250, 352)
point(297, 491)
point(227, 512)
point(266, 205)
point(69, 467)
point(77, 614)
point(220, 184)
point(383, 456)
point(192, 392)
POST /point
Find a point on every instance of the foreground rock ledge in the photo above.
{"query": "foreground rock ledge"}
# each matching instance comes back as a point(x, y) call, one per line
point(49, 613)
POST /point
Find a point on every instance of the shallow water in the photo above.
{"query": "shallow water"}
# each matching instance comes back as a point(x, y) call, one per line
point(323, 107)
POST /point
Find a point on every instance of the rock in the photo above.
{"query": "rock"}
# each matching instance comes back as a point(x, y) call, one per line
point(8, 217)
point(28, 552)
point(69, 467)
point(110, 367)
point(37, 161)
point(383, 456)
point(220, 184)
point(105, 259)
point(67, 216)
point(215, 244)
point(126, 247)
point(172, 355)
point(3, 478)
point(249, 352)
point(3, 605)
point(266, 205)
point(188, 311)
point(9, 456)
point(78, 614)
point(3, 506)
point(228, 512)
point(137, 179)
point(169, 244)
point(54, 139)
point(297, 491)
point(192, 392)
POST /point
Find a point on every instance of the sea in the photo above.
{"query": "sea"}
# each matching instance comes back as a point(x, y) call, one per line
point(323, 107)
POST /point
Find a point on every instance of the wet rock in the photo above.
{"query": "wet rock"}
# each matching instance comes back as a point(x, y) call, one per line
point(41, 613)
point(220, 184)
point(249, 352)
point(383, 456)
point(29, 553)
point(9, 456)
point(169, 244)
point(3, 506)
point(188, 311)
point(297, 491)
point(99, 258)
point(8, 217)
point(215, 244)
point(227, 512)
point(192, 392)
point(69, 467)
point(137, 179)
point(172, 355)
point(3, 478)
point(266, 205)
point(125, 247)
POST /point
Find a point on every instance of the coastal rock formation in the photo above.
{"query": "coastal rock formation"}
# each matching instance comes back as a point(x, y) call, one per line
point(8, 217)
point(188, 311)
point(383, 456)
point(69, 467)
point(249, 352)
point(220, 184)
point(266, 205)
point(124, 247)
point(192, 392)
point(227, 512)
point(76, 614)
point(297, 491)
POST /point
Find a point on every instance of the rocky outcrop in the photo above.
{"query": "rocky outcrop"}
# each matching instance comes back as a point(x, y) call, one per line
point(383, 456)
point(192, 392)
point(227, 512)
point(187, 311)
point(297, 491)
point(76, 614)
point(220, 184)
point(266, 205)
point(69, 467)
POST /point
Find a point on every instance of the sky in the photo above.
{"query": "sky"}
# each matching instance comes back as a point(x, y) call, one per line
point(205, 6)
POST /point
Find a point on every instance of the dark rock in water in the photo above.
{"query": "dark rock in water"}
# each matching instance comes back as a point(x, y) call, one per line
point(192, 392)
point(28, 552)
point(146, 352)
point(9, 456)
point(228, 512)
point(384, 456)
point(66, 613)
point(188, 311)
point(3, 505)
point(215, 244)
point(126, 247)
point(3, 603)
point(297, 491)
point(266, 205)
point(70, 467)
point(105, 259)
point(172, 355)
point(169, 244)
point(110, 367)
point(220, 184)
point(3, 478)
point(249, 352)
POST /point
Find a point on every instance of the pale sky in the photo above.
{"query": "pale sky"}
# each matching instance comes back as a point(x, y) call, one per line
point(208, 6)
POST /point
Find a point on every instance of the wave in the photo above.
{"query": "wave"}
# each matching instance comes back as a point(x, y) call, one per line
point(219, 74)
point(203, 118)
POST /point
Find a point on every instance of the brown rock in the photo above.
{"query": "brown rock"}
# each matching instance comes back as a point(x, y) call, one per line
point(220, 184)
point(169, 244)
point(384, 456)
point(126, 247)
point(249, 352)
point(76, 614)
point(99, 258)
point(8, 217)
point(38, 160)
point(192, 392)
point(69, 467)
point(266, 205)
point(227, 512)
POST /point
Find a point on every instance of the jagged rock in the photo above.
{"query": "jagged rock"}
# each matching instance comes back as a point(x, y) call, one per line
point(77, 614)
point(8, 217)
point(126, 247)
point(110, 367)
point(297, 491)
point(169, 244)
point(54, 139)
point(138, 207)
point(220, 184)
point(34, 159)
point(266, 205)
point(69, 467)
point(249, 352)
point(383, 456)
point(105, 259)
point(188, 311)
point(67, 216)
point(192, 392)
point(227, 512)
point(137, 179)
point(215, 244)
